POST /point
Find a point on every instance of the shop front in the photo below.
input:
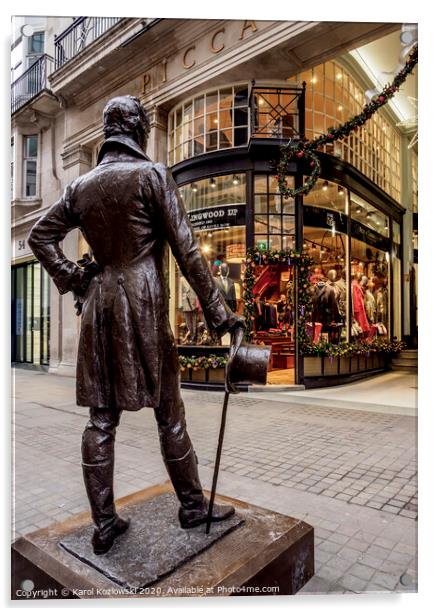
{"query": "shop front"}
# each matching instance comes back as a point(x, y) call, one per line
point(317, 277)
point(30, 314)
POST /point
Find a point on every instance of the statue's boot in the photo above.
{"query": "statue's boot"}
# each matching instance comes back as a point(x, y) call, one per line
point(183, 473)
point(98, 474)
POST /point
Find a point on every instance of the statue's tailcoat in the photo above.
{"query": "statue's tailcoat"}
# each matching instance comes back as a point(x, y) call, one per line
point(128, 209)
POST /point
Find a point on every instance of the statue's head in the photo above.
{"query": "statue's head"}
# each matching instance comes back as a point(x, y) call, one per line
point(124, 115)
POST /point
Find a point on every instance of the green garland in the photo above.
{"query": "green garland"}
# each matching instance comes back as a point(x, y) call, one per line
point(346, 349)
point(202, 361)
point(302, 263)
point(305, 149)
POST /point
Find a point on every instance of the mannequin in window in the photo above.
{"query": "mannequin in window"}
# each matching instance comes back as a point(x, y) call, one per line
point(369, 299)
point(325, 303)
point(189, 309)
point(342, 294)
point(381, 300)
point(358, 299)
point(226, 287)
point(258, 313)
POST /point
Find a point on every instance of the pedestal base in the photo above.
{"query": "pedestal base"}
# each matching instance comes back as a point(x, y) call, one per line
point(268, 553)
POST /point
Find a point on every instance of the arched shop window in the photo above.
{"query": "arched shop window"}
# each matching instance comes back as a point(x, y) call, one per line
point(216, 208)
point(325, 239)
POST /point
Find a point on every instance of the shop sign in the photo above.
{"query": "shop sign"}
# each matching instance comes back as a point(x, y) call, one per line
point(218, 217)
point(194, 53)
point(324, 219)
point(368, 236)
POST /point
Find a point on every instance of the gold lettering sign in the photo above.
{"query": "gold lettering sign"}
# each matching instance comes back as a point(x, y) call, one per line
point(248, 23)
point(185, 65)
point(212, 42)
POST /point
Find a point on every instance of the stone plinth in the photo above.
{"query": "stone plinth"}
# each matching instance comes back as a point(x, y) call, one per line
point(256, 552)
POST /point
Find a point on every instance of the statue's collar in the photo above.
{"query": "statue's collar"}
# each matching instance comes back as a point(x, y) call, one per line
point(127, 143)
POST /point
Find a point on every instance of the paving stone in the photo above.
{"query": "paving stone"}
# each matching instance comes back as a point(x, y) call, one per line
point(385, 580)
point(352, 583)
point(362, 571)
point(344, 453)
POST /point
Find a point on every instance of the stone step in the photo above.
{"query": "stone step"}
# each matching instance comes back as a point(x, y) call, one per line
point(409, 353)
point(404, 361)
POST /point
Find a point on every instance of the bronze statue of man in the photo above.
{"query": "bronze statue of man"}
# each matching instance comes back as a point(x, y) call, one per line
point(129, 209)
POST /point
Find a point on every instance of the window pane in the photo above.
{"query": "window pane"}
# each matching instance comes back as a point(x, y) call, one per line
point(260, 224)
point(328, 280)
point(216, 208)
point(261, 204)
point(31, 146)
point(241, 96)
point(37, 43)
point(240, 136)
point(30, 171)
point(211, 101)
point(226, 98)
point(288, 225)
point(199, 106)
point(226, 138)
point(260, 184)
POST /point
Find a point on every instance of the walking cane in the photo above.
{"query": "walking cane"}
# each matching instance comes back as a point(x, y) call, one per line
point(246, 362)
point(235, 343)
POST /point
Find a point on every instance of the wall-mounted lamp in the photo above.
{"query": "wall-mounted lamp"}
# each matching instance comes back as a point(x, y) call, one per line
point(212, 182)
point(325, 185)
point(194, 187)
point(236, 179)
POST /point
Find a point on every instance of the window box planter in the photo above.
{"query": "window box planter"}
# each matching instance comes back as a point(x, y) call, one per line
point(330, 366)
point(216, 375)
point(344, 364)
point(312, 366)
point(199, 375)
point(355, 363)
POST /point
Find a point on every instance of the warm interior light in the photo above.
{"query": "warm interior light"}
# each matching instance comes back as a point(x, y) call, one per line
point(215, 120)
point(386, 225)
point(325, 185)
point(205, 248)
point(340, 190)
point(209, 234)
point(313, 80)
point(213, 182)
point(358, 210)
point(235, 179)
point(340, 108)
point(261, 101)
point(339, 76)
point(194, 187)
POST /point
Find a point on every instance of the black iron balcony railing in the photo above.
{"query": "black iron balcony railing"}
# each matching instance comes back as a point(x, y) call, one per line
point(82, 32)
point(31, 83)
point(277, 112)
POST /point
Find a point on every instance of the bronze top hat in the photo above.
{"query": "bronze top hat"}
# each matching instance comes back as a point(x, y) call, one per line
point(247, 362)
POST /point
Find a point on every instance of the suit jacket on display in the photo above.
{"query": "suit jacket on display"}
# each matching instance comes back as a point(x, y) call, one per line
point(227, 290)
point(127, 208)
